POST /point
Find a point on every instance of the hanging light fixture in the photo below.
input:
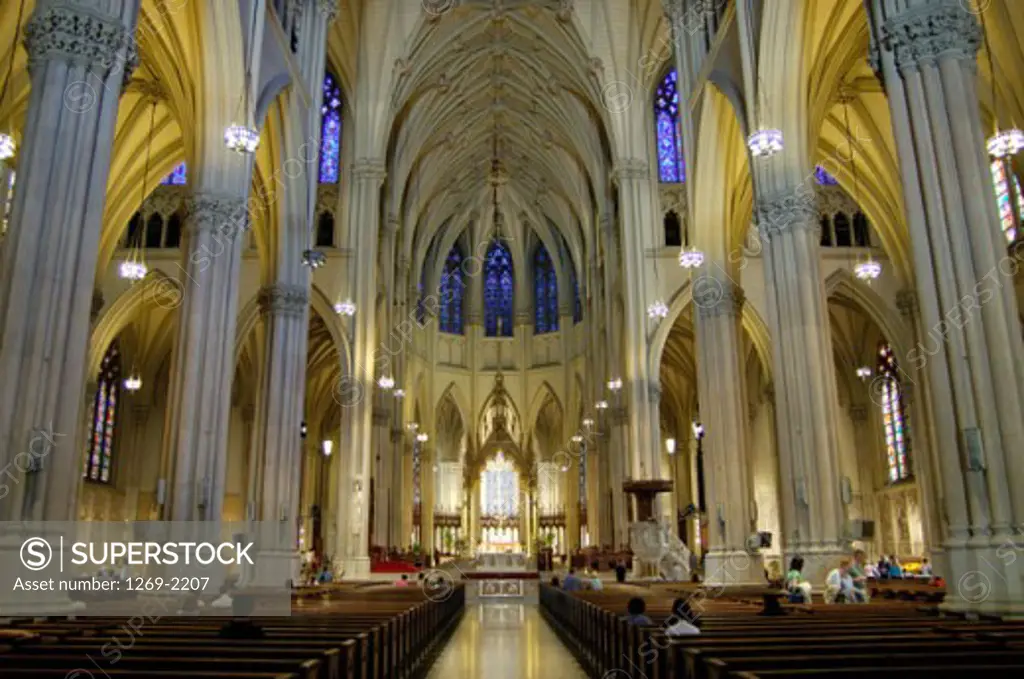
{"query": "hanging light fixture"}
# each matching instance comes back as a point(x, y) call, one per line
point(601, 405)
point(133, 382)
point(134, 267)
point(422, 437)
point(690, 258)
point(386, 383)
point(588, 422)
point(657, 310)
point(399, 393)
point(314, 259)
point(576, 438)
point(346, 308)
point(863, 372)
point(868, 269)
point(239, 137)
point(7, 146)
point(615, 383)
point(765, 143)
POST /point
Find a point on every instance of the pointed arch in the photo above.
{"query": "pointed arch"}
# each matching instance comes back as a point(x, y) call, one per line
point(103, 417)
point(841, 283)
point(499, 290)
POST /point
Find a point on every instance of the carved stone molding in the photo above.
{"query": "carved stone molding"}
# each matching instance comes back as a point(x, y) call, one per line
point(714, 297)
point(782, 213)
point(931, 30)
point(103, 44)
point(631, 168)
point(218, 214)
point(369, 169)
point(284, 300)
point(906, 302)
point(328, 8)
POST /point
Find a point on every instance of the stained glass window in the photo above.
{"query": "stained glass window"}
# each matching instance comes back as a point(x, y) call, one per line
point(416, 464)
point(498, 290)
point(583, 476)
point(452, 285)
point(330, 131)
point(545, 285)
point(1003, 200)
point(178, 176)
point(894, 423)
point(8, 200)
point(499, 488)
point(666, 126)
point(577, 304)
point(103, 418)
point(823, 177)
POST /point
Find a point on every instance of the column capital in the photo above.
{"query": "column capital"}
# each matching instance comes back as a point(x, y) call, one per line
point(393, 223)
point(328, 8)
point(281, 299)
point(66, 32)
point(523, 317)
point(397, 435)
point(140, 414)
point(714, 297)
point(631, 168)
point(785, 211)
point(673, 9)
point(859, 414)
point(654, 392)
point(619, 415)
point(217, 213)
point(923, 33)
point(369, 169)
point(906, 302)
point(381, 416)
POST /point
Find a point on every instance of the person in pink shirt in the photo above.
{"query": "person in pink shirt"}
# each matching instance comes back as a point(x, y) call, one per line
point(404, 582)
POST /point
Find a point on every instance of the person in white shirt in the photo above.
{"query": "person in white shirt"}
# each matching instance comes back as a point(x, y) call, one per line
point(683, 620)
point(839, 585)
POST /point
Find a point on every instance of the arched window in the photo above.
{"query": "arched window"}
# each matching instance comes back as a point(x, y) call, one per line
point(545, 286)
point(666, 126)
point(177, 177)
point(103, 418)
point(823, 177)
point(330, 131)
point(154, 230)
point(133, 235)
point(172, 237)
point(325, 230)
point(452, 286)
point(841, 224)
point(498, 290)
point(861, 233)
point(826, 231)
point(673, 229)
point(1003, 199)
point(897, 439)
point(577, 305)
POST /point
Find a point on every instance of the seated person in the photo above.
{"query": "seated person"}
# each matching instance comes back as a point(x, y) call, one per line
point(241, 625)
point(595, 582)
point(839, 587)
point(555, 582)
point(894, 568)
point(858, 572)
point(571, 582)
point(926, 568)
point(684, 620)
point(636, 609)
point(797, 586)
point(403, 581)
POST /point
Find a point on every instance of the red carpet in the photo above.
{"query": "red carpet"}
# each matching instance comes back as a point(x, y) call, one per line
point(393, 567)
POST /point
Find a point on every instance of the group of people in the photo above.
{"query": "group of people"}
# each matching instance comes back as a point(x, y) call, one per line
point(682, 623)
point(574, 583)
point(316, 571)
point(846, 583)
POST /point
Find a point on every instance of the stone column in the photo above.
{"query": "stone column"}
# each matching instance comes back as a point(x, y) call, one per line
point(132, 456)
point(925, 53)
point(721, 378)
point(202, 368)
point(382, 473)
point(637, 213)
point(362, 229)
point(396, 503)
point(617, 458)
point(79, 55)
point(276, 445)
point(805, 389)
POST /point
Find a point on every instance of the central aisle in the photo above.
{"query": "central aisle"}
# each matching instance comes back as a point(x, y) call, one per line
point(504, 641)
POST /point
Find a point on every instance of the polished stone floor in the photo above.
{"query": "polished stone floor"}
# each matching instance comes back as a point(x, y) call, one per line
point(504, 641)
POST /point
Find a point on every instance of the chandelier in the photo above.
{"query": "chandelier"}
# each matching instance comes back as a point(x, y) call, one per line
point(132, 270)
point(6, 146)
point(765, 143)
point(691, 258)
point(615, 384)
point(868, 270)
point(314, 259)
point(601, 405)
point(386, 383)
point(863, 372)
point(346, 308)
point(241, 139)
point(133, 382)
point(399, 393)
point(657, 310)
point(1005, 143)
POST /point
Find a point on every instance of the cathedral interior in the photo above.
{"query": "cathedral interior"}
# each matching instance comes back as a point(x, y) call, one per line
point(446, 276)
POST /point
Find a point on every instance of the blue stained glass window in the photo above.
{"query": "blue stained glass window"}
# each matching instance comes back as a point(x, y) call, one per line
point(666, 124)
point(894, 424)
point(452, 285)
point(498, 290)
point(823, 177)
point(100, 445)
point(330, 131)
point(545, 285)
point(177, 177)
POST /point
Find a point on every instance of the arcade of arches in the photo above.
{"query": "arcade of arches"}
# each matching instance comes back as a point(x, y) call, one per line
point(492, 259)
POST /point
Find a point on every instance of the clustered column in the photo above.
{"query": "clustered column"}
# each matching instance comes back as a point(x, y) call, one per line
point(806, 397)
point(721, 371)
point(925, 53)
point(78, 58)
